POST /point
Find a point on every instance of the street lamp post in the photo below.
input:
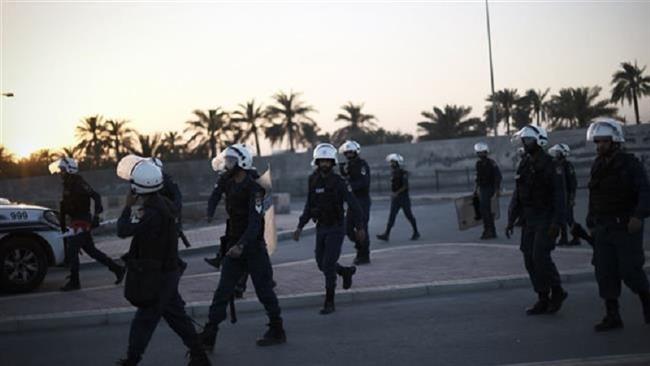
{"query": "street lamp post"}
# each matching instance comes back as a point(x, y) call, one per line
point(494, 110)
point(2, 126)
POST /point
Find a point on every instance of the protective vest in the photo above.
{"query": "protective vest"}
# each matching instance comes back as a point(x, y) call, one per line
point(326, 200)
point(611, 186)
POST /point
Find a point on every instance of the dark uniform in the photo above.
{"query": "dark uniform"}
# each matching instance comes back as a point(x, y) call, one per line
point(618, 191)
point(154, 230)
point(399, 180)
point(245, 225)
point(539, 202)
point(571, 187)
point(76, 206)
point(357, 173)
point(488, 183)
point(324, 205)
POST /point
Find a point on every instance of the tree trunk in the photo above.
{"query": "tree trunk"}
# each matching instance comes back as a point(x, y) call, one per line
point(213, 147)
point(290, 131)
point(257, 140)
point(636, 106)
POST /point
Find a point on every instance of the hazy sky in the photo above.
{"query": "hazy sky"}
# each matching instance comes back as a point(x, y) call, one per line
point(155, 62)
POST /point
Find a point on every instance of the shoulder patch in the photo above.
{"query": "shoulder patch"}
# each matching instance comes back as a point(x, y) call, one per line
point(364, 171)
point(259, 201)
point(348, 187)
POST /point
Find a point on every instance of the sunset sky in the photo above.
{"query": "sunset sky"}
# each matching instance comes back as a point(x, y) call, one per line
point(154, 62)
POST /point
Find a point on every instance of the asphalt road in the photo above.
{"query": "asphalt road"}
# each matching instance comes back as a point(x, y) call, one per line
point(480, 328)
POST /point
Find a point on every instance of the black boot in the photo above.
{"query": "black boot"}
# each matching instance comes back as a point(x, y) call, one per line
point(119, 272)
point(361, 259)
point(558, 296)
point(198, 358)
point(328, 307)
point(208, 337)
point(214, 262)
point(274, 335)
point(541, 306)
point(71, 285)
point(383, 236)
point(415, 236)
point(574, 242)
point(645, 302)
point(612, 319)
point(346, 273)
point(129, 361)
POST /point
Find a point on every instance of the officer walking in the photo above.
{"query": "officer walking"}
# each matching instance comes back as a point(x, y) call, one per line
point(153, 228)
point(539, 201)
point(327, 192)
point(75, 207)
point(357, 174)
point(244, 246)
point(488, 184)
point(400, 197)
point(619, 201)
point(560, 152)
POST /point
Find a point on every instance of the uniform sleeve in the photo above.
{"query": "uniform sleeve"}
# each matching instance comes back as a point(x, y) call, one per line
point(306, 211)
point(127, 227)
point(255, 216)
point(405, 179)
point(86, 189)
point(640, 181)
point(514, 208)
point(353, 204)
point(572, 182)
point(215, 197)
point(497, 175)
point(559, 193)
point(177, 197)
point(363, 181)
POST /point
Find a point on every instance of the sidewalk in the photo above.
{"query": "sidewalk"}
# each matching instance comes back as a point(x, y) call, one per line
point(407, 271)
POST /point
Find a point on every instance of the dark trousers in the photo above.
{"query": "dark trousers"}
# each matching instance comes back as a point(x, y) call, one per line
point(362, 247)
point(402, 201)
point(618, 257)
point(171, 307)
point(564, 235)
point(329, 240)
point(537, 245)
point(485, 201)
point(84, 240)
point(254, 261)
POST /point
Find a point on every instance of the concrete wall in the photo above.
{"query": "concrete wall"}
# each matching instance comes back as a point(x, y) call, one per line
point(434, 165)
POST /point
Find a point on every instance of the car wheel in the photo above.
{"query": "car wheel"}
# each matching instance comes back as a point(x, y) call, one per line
point(24, 265)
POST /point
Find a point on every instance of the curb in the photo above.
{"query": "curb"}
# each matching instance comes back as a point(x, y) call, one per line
point(282, 235)
point(631, 359)
point(200, 309)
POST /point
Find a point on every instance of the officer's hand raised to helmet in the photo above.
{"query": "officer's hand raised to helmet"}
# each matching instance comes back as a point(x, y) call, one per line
point(296, 234)
point(554, 231)
point(235, 251)
point(361, 235)
point(509, 230)
point(634, 225)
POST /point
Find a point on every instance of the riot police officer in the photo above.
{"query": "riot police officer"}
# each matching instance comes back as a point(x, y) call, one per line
point(488, 184)
point(75, 207)
point(539, 201)
point(619, 200)
point(326, 193)
point(560, 152)
point(155, 243)
point(357, 173)
point(244, 246)
point(400, 197)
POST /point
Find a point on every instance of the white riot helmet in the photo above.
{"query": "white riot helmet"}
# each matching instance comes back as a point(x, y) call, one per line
point(559, 150)
point(481, 147)
point(65, 164)
point(324, 151)
point(395, 158)
point(529, 131)
point(157, 162)
point(606, 127)
point(146, 177)
point(350, 146)
point(234, 155)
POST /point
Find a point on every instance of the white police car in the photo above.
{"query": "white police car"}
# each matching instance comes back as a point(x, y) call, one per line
point(30, 242)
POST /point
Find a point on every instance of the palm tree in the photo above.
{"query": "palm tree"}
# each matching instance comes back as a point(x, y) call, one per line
point(291, 113)
point(629, 85)
point(521, 113)
point(170, 149)
point(118, 137)
point(359, 123)
point(91, 132)
point(7, 162)
point(505, 102)
point(249, 114)
point(149, 145)
point(70, 152)
point(449, 123)
point(209, 129)
point(5, 155)
point(575, 107)
point(538, 103)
